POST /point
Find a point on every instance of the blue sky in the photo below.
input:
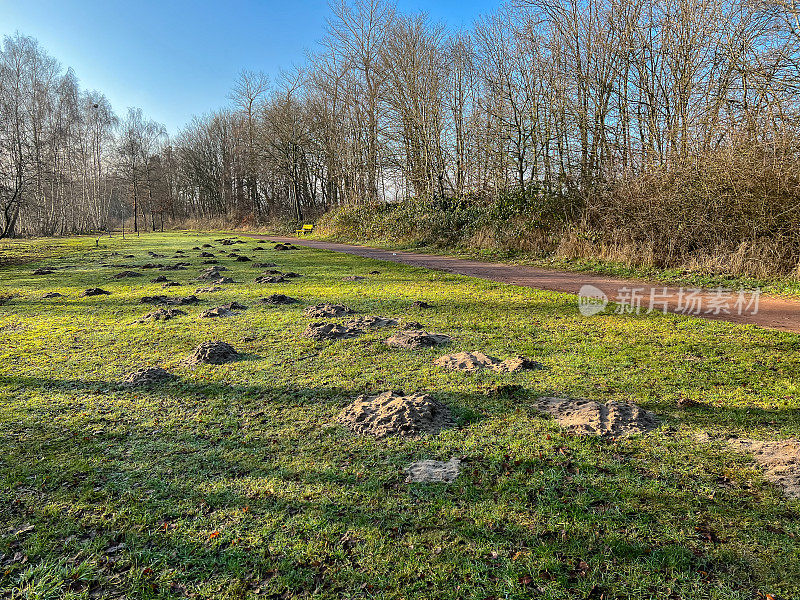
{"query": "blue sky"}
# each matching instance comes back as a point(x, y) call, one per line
point(175, 58)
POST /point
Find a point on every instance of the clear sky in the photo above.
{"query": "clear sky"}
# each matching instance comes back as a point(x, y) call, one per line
point(176, 58)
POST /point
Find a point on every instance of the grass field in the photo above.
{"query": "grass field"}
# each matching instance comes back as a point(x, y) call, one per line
point(235, 481)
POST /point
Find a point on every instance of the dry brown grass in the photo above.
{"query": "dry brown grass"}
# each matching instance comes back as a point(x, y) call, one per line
point(760, 259)
point(734, 211)
point(581, 244)
point(516, 235)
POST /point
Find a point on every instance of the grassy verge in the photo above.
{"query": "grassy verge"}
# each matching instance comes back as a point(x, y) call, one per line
point(235, 481)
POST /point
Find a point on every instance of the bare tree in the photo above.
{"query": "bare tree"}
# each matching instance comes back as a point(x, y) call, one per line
point(138, 144)
point(248, 94)
point(358, 31)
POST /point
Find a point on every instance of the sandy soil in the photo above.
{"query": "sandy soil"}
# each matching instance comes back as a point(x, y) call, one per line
point(780, 461)
point(586, 417)
point(394, 414)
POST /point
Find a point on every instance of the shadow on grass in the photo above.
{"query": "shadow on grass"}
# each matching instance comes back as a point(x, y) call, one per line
point(468, 407)
point(303, 507)
point(177, 386)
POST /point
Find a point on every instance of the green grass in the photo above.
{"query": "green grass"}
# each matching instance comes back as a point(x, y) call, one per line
point(19, 252)
point(235, 481)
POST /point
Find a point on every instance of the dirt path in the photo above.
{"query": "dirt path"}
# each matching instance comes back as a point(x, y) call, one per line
point(746, 308)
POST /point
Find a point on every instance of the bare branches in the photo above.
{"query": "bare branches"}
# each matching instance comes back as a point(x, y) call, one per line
point(548, 100)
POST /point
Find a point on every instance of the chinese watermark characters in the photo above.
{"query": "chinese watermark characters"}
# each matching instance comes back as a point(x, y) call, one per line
point(686, 301)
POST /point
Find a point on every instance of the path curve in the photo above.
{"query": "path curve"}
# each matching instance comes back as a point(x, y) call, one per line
point(773, 313)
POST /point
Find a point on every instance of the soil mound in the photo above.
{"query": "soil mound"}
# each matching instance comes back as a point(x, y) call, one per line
point(155, 300)
point(353, 278)
point(586, 417)
point(780, 461)
point(148, 376)
point(43, 272)
point(330, 331)
point(162, 314)
point(169, 301)
point(226, 310)
point(242, 259)
point(475, 361)
point(159, 279)
point(269, 279)
point(416, 338)
point(412, 325)
point(207, 290)
point(234, 306)
point(278, 299)
point(370, 321)
point(327, 310)
point(394, 414)
point(52, 295)
point(95, 292)
point(519, 363)
point(211, 272)
point(433, 471)
point(266, 265)
point(467, 361)
point(421, 304)
point(178, 267)
point(214, 353)
point(219, 311)
point(206, 255)
point(126, 274)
